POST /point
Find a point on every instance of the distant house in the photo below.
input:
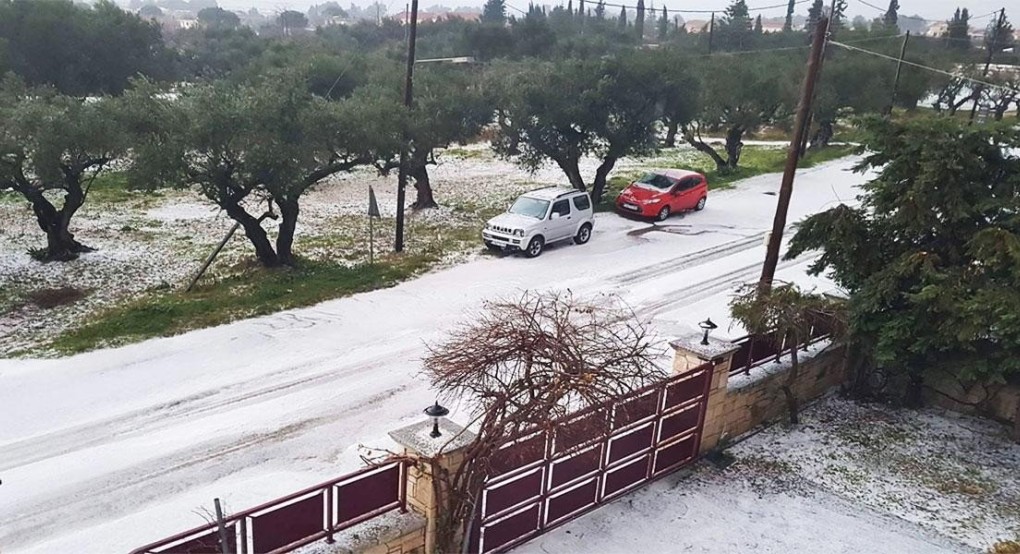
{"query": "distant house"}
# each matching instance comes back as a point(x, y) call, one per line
point(937, 29)
point(463, 15)
point(696, 26)
point(771, 27)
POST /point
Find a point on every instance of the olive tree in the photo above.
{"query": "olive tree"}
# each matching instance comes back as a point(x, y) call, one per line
point(261, 144)
point(565, 111)
point(51, 146)
point(741, 94)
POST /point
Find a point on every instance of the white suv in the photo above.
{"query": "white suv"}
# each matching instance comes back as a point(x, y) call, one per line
point(541, 217)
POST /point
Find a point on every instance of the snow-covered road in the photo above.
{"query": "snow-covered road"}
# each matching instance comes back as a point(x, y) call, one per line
point(108, 450)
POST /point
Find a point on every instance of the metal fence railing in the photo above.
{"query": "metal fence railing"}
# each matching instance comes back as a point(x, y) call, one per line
point(298, 519)
point(757, 349)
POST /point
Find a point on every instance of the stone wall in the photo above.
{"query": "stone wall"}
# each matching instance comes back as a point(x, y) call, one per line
point(994, 401)
point(739, 403)
point(757, 397)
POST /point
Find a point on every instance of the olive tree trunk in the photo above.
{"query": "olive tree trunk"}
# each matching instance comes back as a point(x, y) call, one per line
point(418, 171)
point(571, 167)
point(289, 210)
point(734, 146)
point(598, 187)
point(60, 242)
point(256, 234)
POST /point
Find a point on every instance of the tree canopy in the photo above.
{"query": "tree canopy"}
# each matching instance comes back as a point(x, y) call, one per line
point(80, 49)
point(931, 257)
point(563, 111)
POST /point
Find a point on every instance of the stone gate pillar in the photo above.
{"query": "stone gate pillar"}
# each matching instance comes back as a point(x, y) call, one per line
point(690, 354)
point(447, 451)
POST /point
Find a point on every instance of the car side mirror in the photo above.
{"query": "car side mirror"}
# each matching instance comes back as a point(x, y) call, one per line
point(554, 215)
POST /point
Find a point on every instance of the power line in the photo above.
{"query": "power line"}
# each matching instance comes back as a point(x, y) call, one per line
point(870, 5)
point(921, 66)
point(989, 14)
point(668, 10)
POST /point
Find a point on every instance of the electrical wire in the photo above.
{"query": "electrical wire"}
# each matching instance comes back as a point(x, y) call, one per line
point(669, 10)
point(921, 66)
point(870, 5)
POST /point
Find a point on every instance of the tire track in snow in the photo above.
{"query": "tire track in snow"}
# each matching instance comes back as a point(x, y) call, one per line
point(709, 287)
point(204, 403)
point(147, 482)
point(689, 260)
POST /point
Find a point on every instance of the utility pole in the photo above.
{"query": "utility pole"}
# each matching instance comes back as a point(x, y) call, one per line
point(711, 32)
point(988, 62)
point(768, 271)
point(896, 80)
point(398, 244)
point(811, 115)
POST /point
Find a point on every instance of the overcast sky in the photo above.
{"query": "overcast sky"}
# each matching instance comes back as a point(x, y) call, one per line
point(928, 9)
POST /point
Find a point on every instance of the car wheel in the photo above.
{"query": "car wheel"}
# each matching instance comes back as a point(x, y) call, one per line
point(663, 214)
point(583, 234)
point(535, 247)
point(701, 203)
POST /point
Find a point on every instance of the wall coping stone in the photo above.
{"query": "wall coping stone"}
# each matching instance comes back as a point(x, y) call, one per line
point(714, 350)
point(416, 439)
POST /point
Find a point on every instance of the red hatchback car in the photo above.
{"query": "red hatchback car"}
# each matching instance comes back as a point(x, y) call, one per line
point(661, 193)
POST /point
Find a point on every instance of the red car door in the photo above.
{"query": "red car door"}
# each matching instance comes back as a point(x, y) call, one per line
point(685, 196)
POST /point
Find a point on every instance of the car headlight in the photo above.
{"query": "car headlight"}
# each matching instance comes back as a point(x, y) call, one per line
point(518, 232)
point(653, 201)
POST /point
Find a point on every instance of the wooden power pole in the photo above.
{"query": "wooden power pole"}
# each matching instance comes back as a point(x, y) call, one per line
point(711, 32)
point(988, 61)
point(899, 69)
point(768, 271)
point(398, 244)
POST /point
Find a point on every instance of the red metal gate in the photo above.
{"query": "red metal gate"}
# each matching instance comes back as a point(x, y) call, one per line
point(556, 477)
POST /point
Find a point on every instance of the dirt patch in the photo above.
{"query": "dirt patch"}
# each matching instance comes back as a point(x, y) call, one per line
point(50, 298)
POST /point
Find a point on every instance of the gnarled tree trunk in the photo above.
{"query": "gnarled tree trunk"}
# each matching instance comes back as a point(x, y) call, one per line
point(418, 171)
point(256, 234)
point(60, 242)
point(598, 188)
point(288, 223)
point(734, 145)
point(671, 129)
point(703, 147)
point(571, 167)
point(823, 135)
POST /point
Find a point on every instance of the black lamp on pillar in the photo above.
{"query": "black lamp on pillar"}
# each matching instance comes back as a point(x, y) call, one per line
point(707, 325)
point(436, 411)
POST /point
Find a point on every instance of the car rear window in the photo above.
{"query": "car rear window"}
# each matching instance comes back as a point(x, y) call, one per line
point(581, 202)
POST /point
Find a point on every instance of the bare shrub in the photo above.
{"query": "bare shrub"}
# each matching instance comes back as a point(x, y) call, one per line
point(522, 364)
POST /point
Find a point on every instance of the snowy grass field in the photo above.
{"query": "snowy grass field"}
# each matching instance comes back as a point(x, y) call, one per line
point(149, 244)
point(850, 478)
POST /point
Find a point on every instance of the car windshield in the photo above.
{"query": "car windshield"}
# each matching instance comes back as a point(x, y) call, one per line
point(656, 180)
point(531, 207)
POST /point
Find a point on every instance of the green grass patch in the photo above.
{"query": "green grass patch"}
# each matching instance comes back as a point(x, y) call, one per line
point(754, 160)
point(252, 293)
point(11, 197)
point(113, 187)
point(468, 153)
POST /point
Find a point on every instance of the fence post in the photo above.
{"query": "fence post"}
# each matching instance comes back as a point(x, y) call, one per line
point(691, 354)
point(447, 451)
